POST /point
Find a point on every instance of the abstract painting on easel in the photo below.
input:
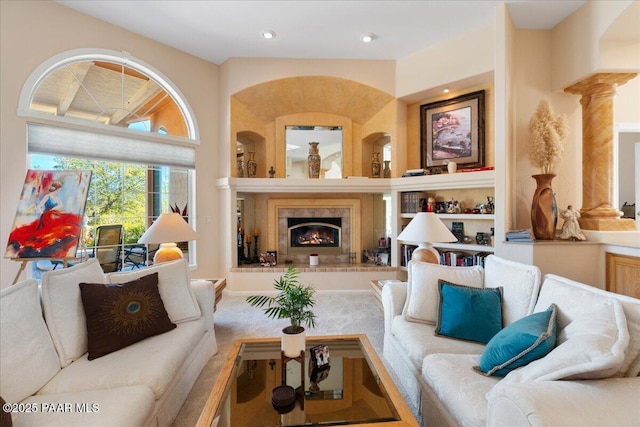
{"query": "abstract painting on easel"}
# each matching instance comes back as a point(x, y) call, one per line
point(48, 221)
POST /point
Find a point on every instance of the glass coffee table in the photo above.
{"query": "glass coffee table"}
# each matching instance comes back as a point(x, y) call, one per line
point(338, 380)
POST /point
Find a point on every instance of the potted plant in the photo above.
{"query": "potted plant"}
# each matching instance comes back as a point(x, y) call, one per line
point(548, 133)
point(295, 302)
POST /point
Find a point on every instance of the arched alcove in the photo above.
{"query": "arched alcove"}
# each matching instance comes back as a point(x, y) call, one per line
point(268, 107)
point(250, 142)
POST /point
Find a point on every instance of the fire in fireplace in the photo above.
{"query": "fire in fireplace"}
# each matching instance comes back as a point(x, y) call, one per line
point(314, 233)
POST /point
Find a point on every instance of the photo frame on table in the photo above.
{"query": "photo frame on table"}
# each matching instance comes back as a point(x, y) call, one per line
point(382, 258)
point(453, 131)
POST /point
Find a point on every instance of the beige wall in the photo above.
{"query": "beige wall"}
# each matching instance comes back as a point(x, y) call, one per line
point(539, 63)
point(32, 32)
point(458, 59)
point(576, 42)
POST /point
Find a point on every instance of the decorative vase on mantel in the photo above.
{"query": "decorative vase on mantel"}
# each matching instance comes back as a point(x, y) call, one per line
point(314, 160)
point(544, 210)
point(375, 165)
point(240, 166)
point(252, 165)
point(386, 172)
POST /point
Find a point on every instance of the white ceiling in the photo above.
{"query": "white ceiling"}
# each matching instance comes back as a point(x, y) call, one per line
point(219, 30)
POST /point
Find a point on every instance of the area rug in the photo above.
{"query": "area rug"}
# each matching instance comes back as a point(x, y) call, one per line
point(349, 312)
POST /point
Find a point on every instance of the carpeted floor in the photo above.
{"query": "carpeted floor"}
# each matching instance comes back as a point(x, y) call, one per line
point(337, 313)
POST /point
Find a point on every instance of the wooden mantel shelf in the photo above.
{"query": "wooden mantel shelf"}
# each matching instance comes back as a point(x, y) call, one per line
point(359, 185)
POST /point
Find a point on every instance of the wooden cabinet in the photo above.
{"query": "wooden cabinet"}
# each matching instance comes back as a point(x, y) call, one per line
point(623, 274)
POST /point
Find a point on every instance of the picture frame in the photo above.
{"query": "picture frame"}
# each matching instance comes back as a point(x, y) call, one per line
point(382, 258)
point(453, 130)
point(269, 259)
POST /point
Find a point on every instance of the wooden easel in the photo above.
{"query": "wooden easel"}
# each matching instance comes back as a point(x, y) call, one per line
point(24, 261)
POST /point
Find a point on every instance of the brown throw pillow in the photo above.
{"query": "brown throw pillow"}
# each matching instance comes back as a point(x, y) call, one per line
point(119, 315)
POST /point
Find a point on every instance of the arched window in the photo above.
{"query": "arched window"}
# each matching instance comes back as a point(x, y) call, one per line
point(122, 119)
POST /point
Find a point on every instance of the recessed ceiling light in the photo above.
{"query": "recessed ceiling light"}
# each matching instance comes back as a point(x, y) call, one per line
point(445, 90)
point(368, 37)
point(268, 34)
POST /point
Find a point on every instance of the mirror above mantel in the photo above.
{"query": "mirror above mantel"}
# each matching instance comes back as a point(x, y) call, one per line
point(329, 139)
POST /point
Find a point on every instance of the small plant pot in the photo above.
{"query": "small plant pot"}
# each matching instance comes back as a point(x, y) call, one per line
point(292, 343)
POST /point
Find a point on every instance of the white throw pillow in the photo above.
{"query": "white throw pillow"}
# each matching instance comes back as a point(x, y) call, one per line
point(63, 309)
point(591, 346)
point(520, 285)
point(28, 359)
point(422, 289)
point(174, 286)
point(575, 299)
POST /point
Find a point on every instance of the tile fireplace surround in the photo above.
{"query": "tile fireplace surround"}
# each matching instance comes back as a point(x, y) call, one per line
point(346, 209)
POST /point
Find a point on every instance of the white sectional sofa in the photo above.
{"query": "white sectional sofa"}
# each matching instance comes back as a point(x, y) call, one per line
point(589, 377)
point(45, 372)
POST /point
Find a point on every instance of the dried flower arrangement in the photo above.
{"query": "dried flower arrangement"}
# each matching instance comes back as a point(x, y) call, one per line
point(548, 132)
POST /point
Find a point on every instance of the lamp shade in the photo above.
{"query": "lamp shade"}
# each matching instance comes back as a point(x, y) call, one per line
point(426, 228)
point(169, 227)
point(166, 230)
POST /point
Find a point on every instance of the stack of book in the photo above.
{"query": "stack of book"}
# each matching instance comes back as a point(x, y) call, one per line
point(462, 259)
point(413, 202)
point(523, 235)
point(415, 172)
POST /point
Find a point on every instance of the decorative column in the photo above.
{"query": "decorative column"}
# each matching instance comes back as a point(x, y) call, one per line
point(598, 211)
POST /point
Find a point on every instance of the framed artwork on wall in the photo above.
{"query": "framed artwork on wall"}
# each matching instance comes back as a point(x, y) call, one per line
point(453, 131)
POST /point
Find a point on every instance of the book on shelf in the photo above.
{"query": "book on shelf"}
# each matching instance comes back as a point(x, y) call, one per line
point(413, 202)
point(483, 168)
point(457, 229)
point(462, 258)
point(415, 172)
point(522, 235)
point(406, 251)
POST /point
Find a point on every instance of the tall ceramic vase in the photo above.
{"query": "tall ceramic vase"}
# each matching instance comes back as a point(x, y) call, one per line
point(386, 172)
point(240, 167)
point(544, 211)
point(375, 165)
point(314, 160)
point(252, 165)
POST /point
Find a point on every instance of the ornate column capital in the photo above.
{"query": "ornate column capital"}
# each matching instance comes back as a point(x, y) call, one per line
point(600, 83)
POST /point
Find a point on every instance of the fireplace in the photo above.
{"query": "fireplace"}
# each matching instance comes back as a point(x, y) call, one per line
point(338, 215)
point(314, 235)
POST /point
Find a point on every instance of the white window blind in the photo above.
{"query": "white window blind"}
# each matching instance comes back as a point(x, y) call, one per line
point(62, 141)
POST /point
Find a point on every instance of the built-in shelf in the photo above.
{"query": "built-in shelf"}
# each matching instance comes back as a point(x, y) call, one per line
point(464, 247)
point(488, 217)
point(463, 180)
point(293, 185)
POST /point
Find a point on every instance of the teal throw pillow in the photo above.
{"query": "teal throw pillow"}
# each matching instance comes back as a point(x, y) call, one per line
point(467, 313)
point(520, 343)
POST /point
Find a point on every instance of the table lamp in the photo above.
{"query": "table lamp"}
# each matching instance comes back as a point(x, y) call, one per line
point(166, 230)
point(426, 228)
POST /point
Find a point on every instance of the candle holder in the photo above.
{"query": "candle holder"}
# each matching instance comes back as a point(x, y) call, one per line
point(240, 247)
point(249, 260)
point(255, 250)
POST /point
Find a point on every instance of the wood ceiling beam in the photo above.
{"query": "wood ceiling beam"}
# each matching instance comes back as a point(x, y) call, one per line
point(142, 96)
point(79, 71)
